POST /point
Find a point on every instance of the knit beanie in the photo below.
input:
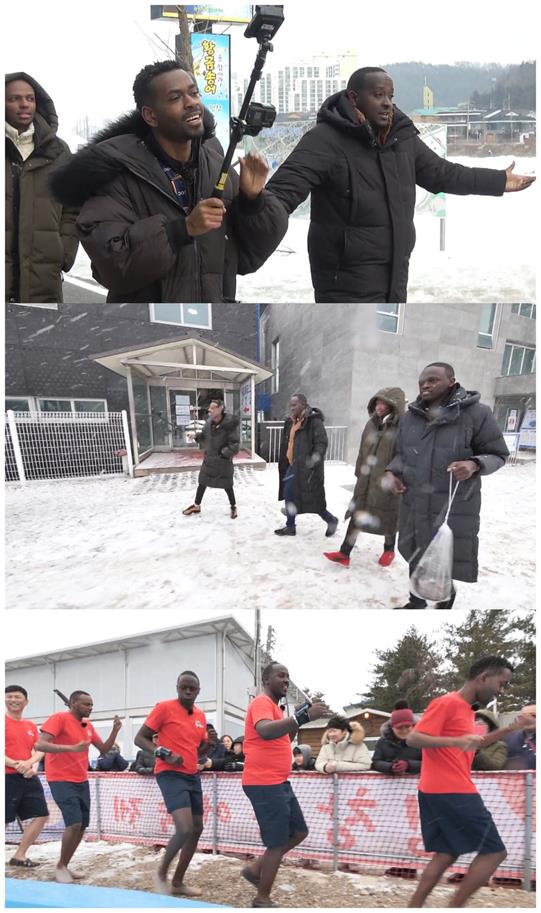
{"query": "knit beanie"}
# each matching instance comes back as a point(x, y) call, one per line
point(338, 722)
point(402, 717)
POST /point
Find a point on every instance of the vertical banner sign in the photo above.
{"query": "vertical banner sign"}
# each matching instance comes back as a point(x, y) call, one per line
point(246, 400)
point(435, 137)
point(211, 58)
point(527, 430)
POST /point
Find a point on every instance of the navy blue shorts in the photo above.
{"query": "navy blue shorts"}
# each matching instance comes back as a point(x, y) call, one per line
point(24, 798)
point(278, 813)
point(73, 800)
point(457, 823)
point(181, 791)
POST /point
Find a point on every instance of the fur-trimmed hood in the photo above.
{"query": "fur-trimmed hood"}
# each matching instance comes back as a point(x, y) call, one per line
point(356, 736)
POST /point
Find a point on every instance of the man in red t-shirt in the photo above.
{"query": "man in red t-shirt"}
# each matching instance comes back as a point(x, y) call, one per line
point(65, 739)
point(267, 749)
point(24, 792)
point(181, 730)
point(454, 819)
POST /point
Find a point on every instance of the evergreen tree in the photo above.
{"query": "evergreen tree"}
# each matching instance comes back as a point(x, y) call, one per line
point(409, 671)
point(493, 633)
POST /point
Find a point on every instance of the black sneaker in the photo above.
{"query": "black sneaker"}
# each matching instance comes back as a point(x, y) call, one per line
point(332, 526)
point(285, 531)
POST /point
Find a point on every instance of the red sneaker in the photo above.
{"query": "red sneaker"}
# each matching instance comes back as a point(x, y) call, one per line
point(338, 558)
point(386, 559)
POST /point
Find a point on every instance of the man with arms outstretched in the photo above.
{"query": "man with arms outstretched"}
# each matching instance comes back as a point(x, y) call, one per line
point(454, 819)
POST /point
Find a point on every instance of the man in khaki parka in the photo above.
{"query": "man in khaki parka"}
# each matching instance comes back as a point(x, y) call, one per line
point(41, 240)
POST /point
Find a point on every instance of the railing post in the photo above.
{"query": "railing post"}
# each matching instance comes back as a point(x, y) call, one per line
point(214, 814)
point(127, 442)
point(334, 822)
point(528, 831)
point(98, 805)
point(16, 447)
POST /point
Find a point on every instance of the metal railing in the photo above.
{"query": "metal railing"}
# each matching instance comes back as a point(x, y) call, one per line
point(61, 445)
point(270, 435)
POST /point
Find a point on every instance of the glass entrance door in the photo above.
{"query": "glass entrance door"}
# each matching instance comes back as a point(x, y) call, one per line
point(189, 413)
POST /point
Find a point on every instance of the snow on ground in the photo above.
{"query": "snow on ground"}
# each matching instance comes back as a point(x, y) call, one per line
point(121, 543)
point(218, 877)
point(490, 255)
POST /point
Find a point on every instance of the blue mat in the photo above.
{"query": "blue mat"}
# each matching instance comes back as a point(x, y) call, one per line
point(25, 893)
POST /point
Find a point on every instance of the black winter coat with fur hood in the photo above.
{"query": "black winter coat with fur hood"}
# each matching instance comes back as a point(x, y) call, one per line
point(133, 227)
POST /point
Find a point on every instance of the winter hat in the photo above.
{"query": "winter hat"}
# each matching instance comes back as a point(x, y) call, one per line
point(402, 717)
point(338, 722)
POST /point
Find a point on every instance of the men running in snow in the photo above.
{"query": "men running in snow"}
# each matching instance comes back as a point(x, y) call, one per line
point(181, 731)
point(445, 430)
point(454, 819)
point(66, 739)
point(361, 164)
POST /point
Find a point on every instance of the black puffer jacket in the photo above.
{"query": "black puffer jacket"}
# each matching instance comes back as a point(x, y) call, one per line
point(41, 238)
point(133, 227)
point(389, 749)
point(309, 452)
point(463, 429)
point(221, 442)
point(363, 199)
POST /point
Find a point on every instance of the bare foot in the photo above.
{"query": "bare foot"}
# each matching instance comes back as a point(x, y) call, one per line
point(185, 890)
point(62, 875)
point(160, 884)
point(249, 875)
point(75, 875)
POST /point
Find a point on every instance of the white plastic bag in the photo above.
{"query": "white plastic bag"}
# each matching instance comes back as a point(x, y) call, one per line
point(432, 579)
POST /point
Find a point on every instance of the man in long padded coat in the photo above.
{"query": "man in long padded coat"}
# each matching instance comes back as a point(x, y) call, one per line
point(361, 163)
point(445, 430)
point(149, 222)
point(41, 238)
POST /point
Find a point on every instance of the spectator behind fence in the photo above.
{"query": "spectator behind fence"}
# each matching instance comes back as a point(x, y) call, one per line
point(342, 747)
point(215, 754)
point(144, 763)
point(494, 756)
point(112, 762)
point(302, 758)
point(227, 742)
point(521, 745)
point(392, 754)
point(235, 758)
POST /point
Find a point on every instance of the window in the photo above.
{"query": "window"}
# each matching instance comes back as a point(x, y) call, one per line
point(387, 317)
point(18, 403)
point(518, 360)
point(485, 339)
point(524, 310)
point(186, 315)
point(73, 405)
point(275, 365)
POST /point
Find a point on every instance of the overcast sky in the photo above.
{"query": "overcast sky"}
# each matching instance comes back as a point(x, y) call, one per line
point(87, 63)
point(328, 650)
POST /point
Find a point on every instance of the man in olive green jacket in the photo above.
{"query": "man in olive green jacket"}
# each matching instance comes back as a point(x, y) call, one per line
point(41, 240)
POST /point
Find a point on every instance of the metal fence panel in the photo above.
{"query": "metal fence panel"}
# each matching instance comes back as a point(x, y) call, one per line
point(368, 820)
point(61, 445)
point(270, 436)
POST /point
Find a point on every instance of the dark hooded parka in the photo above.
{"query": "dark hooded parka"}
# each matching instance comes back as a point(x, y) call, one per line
point(362, 204)
point(221, 442)
point(464, 429)
point(309, 449)
point(377, 448)
point(132, 223)
point(41, 237)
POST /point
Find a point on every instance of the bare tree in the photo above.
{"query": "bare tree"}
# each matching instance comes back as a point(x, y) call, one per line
point(183, 47)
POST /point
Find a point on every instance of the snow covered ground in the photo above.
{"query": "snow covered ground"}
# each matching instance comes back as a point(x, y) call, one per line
point(490, 254)
point(118, 543)
point(123, 865)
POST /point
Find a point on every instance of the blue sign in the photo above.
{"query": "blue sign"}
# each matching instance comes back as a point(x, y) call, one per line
point(211, 61)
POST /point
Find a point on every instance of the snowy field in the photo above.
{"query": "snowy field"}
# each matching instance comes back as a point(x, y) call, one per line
point(490, 255)
point(118, 543)
point(218, 877)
